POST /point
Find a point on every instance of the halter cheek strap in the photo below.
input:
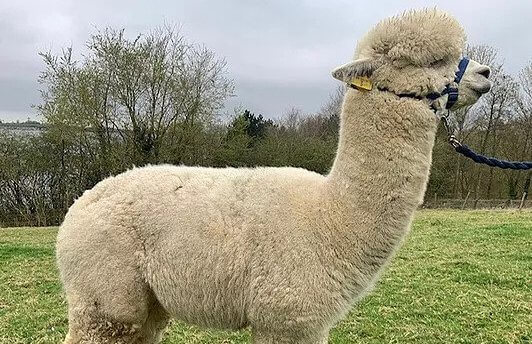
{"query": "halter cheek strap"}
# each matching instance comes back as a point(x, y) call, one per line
point(452, 90)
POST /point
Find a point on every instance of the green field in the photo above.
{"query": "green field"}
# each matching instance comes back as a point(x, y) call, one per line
point(461, 277)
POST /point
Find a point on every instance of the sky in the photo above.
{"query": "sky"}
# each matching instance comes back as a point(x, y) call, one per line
point(279, 52)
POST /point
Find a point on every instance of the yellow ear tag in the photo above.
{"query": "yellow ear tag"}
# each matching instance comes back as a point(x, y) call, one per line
point(362, 83)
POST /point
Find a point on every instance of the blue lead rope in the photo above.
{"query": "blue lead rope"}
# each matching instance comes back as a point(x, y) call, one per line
point(482, 159)
point(493, 162)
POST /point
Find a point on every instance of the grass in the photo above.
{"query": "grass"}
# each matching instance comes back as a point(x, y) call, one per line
point(461, 277)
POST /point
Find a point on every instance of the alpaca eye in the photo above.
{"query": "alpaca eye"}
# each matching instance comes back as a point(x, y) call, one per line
point(437, 63)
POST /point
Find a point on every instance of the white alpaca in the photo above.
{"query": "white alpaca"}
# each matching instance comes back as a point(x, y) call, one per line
point(284, 251)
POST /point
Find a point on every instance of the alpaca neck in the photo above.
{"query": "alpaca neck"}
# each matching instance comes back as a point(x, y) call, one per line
point(379, 176)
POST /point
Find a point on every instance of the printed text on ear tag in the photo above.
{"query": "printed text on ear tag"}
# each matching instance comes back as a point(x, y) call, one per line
point(362, 83)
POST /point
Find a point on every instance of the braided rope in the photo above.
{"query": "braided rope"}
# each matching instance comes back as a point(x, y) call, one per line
point(493, 162)
point(479, 158)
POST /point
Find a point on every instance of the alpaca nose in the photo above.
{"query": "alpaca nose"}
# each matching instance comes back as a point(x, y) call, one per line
point(485, 71)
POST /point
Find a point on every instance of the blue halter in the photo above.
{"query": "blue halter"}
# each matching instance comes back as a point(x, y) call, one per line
point(452, 89)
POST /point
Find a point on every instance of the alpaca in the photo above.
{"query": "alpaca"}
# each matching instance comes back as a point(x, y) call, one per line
point(283, 251)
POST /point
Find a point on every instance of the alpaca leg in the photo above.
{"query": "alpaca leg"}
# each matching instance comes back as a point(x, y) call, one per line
point(291, 338)
point(153, 328)
point(88, 326)
point(110, 311)
point(103, 333)
point(108, 298)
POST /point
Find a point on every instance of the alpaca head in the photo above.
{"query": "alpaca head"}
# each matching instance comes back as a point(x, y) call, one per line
point(417, 53)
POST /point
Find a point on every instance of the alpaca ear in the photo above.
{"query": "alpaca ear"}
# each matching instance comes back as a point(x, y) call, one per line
point(357, 68)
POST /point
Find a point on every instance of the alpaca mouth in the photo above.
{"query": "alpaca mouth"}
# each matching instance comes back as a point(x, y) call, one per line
point(481, 90)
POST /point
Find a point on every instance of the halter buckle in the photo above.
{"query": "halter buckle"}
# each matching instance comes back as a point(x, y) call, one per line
point(454, 141)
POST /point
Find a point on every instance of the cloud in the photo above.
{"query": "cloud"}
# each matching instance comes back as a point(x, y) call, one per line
point(280, 52)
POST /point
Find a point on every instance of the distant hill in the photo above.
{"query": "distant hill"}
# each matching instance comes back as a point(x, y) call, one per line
point(22, 128)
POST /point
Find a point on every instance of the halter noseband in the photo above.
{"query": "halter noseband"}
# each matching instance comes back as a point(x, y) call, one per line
point(452, 89)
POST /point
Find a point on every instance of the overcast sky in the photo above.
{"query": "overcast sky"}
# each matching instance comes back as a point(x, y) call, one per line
point(280, 53)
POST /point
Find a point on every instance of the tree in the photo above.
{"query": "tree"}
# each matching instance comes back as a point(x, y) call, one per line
point(135, 90)
point(524, 102)
point(257, 126)
point(331, 111)
point(127, 102)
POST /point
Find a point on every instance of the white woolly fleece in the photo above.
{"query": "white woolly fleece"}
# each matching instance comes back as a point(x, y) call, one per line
point(282, 250)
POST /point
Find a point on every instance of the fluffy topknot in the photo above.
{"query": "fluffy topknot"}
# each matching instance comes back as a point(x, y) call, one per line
point(416, 37)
